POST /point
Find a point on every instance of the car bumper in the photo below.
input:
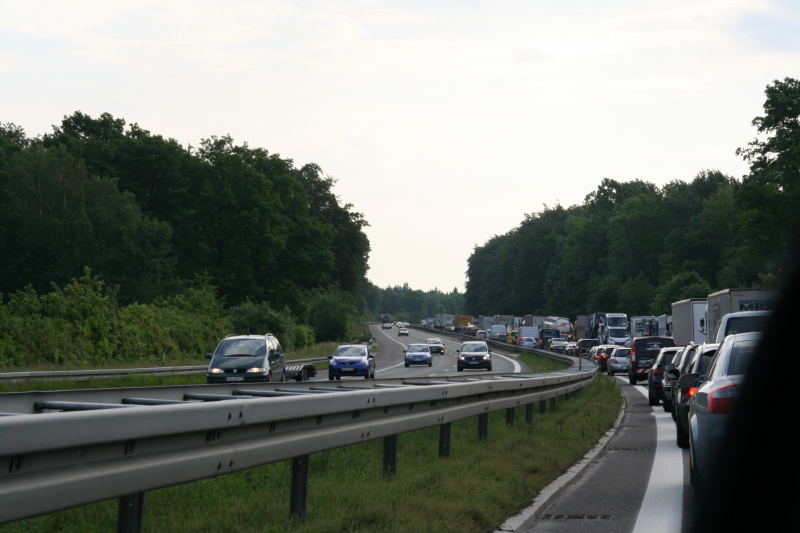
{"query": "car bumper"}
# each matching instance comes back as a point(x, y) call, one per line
point(236, 378)
point(348, 371)
point(420, 361)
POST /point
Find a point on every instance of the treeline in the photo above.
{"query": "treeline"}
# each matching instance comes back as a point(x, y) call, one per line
point(635, 247)
point(409, 305)
point(149, 218)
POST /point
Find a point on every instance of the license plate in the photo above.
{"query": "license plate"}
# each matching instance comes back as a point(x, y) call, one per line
point(235, 378)
point(474, 362)
point(348, 369)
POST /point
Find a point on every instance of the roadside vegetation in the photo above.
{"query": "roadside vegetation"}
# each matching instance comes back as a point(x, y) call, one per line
point(475, 490)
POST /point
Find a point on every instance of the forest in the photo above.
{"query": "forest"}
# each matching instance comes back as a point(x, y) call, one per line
point(635, 247)
point(158, 235)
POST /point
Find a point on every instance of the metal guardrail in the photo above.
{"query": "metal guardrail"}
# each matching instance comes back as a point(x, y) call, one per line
point(78, 375)
point(121, 443)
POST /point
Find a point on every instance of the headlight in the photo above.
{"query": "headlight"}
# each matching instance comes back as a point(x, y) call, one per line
point(486, 357)
point(462, 357)
point(216, 371)
point(256, 369)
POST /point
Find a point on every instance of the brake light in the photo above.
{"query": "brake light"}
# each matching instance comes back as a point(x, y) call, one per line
point(633, 353)
point(721, 400)
point(691, 392)
point(658, 371)
point(613, 359)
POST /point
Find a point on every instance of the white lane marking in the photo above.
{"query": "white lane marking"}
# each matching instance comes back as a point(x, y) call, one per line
point(517, 367)
point(390, 367)
point(662, 508)
point(447, 370)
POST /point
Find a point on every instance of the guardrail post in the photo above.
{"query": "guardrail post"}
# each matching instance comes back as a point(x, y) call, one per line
point(298, 493)
point(510, 416)
point(390, 455)
point(444, 440)
point(566, 396)
point(483, 426)
point(130, 513)
point(553, 403)
point(542, 407)
point(529, 413)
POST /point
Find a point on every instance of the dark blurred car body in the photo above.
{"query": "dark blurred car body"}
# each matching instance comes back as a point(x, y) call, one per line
point(655, 376)
point(698, 364)
point(644, 351)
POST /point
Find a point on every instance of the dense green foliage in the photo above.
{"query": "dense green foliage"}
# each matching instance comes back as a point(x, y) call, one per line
point(636, 248)
point(409, 305)
point(148, 218)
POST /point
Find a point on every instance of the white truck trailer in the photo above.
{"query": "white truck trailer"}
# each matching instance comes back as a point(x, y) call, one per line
point(689, 321)
point(729, 301)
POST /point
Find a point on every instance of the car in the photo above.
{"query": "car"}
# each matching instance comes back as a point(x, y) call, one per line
point(402, 331)
point(667, 382)
point(557, 345)
point(701, 358)
point(545, 335)
point(501, 337)
point(480, 334)
point(247, 358)
point(435, 345)
point(450, 328)
point(474, 354)
point(585, 345)
point(680, 367)
point(528, 342)
point(418, 354)
point(351, 360)
point(655, 374)
point(618, 360)
point(386, 325)
point(712, 405)
point(644, 351)
point(602, 354)
point(571, 348)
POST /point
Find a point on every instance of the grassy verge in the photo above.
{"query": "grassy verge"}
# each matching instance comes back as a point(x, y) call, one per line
point(475, 490)
point(540, 363)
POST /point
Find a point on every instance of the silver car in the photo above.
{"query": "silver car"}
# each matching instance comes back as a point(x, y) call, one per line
point(710, 408)
point(618, 361)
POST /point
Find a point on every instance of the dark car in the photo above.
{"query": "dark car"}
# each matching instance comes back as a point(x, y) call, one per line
point(698, 365)
point(545, 335)
point(474, 354)
point(644, 351)
point(603, 352)
point(584, 345)
point(668, 382)
point(680, 366)
point(435, 345)
point(247, 358)
point(655, 376)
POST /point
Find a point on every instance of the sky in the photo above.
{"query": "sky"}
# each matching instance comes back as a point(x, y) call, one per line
point(443, 122)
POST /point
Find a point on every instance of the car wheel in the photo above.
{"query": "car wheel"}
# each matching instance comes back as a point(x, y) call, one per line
point(304, 374)
point(269, 377)
point(694, 474)
point(330, 378)
point(406, 365)
point(430, 364)
point(489, 368)
point(283, 376)
point(460, 368)
point(631, 379)
point(681, 436)
point(667, 406)
point(650, 399)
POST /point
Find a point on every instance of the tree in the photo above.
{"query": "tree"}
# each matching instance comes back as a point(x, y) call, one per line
point(679, 287)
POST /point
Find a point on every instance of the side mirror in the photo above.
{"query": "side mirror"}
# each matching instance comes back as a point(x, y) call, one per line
point(458, 351)
point(371, 356)
point(688, 380)
point(209, 356)
point(673, 373)
point(404, 351)
point(330, 357)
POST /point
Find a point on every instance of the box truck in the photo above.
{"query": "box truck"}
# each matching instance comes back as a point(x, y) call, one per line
point(689, 321)
point(728, 301)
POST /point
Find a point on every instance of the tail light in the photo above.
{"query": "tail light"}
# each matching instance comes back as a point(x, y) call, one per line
point(691, 392)
point(633, 353)
point(658, 371)
point(721, 400)
point(614, 360)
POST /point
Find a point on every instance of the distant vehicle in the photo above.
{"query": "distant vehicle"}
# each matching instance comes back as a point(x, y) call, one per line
point(617, 336)
point(557, 345)
point(351, 360)
point(644, 351)
point(689, 321)
point(563, 325)
point(387, 318)
point(402, 331)
point(584, 345)
point(655, 375)
point(618, 360)
point(742, 322)
point(529, 331)
point(386, 325)
point(474, 354)
point(528, 342)
point(462, 320)
point(603, 353)
point(418, 354)
point(501, 337)
point(571, 348)
point(667, 382)
point(545, 335)
point(728, 301)
point(435, 345)
point(247, 358)
point(713, 403)
point(581, 327)
point(496, 330)
point(481, 334)
point(665, 325)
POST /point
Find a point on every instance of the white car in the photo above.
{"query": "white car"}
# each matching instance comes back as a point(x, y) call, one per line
point(402, 331)
point(386, 325)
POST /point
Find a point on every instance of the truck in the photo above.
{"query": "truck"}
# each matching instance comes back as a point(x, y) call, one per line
point(665, 325)
point(443, 321)
point(484, 322)
point(563, 325)
point(495, 330)
point(582, 327)
point(519, 322)
point(689, 321)
point(462, 320)
point(644, 326)
point(429, 323)
point(528, 331)
point(438, 323)
point(533, 321)
point(506, 320)
point(729, 301)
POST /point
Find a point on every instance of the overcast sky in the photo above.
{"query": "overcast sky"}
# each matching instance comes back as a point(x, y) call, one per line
point(444, 122)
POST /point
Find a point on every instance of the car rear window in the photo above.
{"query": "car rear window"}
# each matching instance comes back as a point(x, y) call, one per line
point(665, 357)
point(622, 353)
point(588, 343)
point(742, 354)
point(705, 360)
point(745, 324)
point(649, 347)
point(686, 358)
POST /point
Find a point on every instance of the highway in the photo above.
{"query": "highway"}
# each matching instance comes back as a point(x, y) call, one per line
point(390, 359)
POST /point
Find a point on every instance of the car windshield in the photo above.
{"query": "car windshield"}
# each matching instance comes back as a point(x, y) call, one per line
point(350, 351)
point(473, 348)
point(618, 333)
point(742, 354)
point(617, 321)
point(433, 341)
point(418, 348)
point(242, 348)
point(745, 324)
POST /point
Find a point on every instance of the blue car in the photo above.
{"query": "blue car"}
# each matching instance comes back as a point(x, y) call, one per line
point(418, 354)
point(351, 360)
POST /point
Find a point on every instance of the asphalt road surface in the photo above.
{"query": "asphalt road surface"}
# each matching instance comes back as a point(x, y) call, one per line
point(390, 359)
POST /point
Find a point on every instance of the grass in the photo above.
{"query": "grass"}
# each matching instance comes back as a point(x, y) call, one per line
point(540, 363)
point(475, 490)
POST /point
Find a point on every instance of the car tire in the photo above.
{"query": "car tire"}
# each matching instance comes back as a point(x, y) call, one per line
point(650, 399)
point(366, 376)
point(430, 364)
point(489, 368)
point(460, 368)
point(667, 406)
point(269, 377)
point(304, 374)
point(406, 365)
point(681, 437)
point(631, 379)
point(330, 378)
point(695, 478)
